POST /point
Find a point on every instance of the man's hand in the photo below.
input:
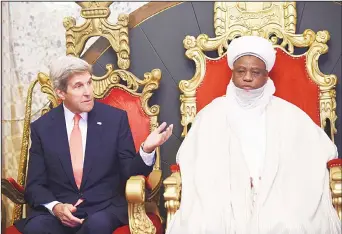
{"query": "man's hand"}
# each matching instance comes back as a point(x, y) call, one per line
point(157, 137)
point(64, 213)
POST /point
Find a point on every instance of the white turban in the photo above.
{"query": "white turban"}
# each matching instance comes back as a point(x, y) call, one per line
point(251, 45)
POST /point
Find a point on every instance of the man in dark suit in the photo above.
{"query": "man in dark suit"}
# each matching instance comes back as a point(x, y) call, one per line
point(82, 154)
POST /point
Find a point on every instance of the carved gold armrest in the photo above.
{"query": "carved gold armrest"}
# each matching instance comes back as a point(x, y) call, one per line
point(153, 183)
point(335, 167)
point(139, 223)
point(172, 194)
point(11, 189)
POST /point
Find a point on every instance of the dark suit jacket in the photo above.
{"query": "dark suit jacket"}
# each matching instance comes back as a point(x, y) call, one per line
point(110, 159)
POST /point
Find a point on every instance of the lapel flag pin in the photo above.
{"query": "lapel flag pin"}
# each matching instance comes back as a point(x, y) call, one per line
point(99, 123)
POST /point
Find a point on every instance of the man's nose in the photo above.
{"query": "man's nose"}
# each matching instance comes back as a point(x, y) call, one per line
point(248, 77)
point(87, 90)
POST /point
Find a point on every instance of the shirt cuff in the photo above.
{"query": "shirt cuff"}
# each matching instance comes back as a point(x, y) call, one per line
point(148, 158)
point(50, 206)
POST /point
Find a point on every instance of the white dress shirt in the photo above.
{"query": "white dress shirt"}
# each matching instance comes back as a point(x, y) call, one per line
point(148, 158)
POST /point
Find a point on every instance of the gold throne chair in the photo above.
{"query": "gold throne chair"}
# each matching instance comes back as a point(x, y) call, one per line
point(119, 88)
point(275, 21)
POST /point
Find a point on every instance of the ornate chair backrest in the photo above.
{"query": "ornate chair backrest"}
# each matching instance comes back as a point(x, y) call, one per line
point(118, 87)
point(297, 77)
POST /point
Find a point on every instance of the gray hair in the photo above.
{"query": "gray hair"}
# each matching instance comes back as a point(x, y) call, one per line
point(64, 67)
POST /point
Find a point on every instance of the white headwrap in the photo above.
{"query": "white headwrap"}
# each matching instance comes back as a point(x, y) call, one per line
point(251, 45)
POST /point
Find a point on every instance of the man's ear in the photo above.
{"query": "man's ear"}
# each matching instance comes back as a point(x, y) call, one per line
point(60, 94)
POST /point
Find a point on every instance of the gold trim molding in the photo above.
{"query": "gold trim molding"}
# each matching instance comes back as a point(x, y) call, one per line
point(336, 188)
point(135, 195)
point(137, 17)
point(46, 88)
point(266, 19)
point(172, 194)
point(96, 24)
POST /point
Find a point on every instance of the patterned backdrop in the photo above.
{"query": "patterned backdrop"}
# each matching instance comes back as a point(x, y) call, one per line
point(30, 40)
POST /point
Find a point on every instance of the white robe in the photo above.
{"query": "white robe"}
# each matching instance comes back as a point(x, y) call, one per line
point(294, 195)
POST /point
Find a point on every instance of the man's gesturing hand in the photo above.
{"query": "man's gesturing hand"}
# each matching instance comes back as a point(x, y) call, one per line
point(157, 137)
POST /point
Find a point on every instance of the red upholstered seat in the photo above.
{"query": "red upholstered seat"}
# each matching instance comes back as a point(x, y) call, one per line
point(121, 230)
point(138, 120)
point(12, 230)
point(155, 220)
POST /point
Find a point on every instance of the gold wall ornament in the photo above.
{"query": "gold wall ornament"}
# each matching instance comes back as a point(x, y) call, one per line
point(96, 24)
point(47, 88)
point(266, 19)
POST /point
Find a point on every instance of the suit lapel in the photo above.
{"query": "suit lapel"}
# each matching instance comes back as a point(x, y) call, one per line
point(93, 141)
point(62, 144)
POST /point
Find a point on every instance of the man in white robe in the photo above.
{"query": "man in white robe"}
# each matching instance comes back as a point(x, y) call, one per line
point(252, 162)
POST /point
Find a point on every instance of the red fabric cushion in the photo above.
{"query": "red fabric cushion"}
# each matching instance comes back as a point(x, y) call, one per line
point(121, 230)
point(155, 220)
point(15, 184)
point(138, 120)
point(12, 230)
point(289, 75)
point(335, 163)
point(294, 85)
point(214, 84)
point(174, 168)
